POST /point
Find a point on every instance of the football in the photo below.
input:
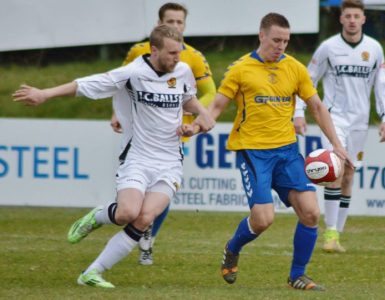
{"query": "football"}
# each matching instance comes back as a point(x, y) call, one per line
point(322, 166)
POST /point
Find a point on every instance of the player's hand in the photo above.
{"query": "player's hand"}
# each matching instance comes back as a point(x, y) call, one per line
point(187, 130)
point(343, 155)
point(186, 113)
point(115, 124)
point(29, 95)
point(382, 132)
point(205, 122)
point(300, 125)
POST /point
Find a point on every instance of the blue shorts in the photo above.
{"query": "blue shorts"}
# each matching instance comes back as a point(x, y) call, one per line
point(281, 169)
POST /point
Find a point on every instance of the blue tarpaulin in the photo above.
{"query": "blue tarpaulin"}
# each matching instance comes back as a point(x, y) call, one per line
point(330, 2)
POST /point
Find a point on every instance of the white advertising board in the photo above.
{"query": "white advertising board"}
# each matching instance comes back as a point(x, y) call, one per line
point(57, 163)
point(39, 24)
point(212, 181)
point(73, 163)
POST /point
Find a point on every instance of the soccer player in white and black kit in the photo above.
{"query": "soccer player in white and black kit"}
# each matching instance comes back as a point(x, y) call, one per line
point(157, 88)
point(350, 63)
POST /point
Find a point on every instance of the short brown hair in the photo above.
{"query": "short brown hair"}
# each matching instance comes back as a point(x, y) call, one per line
point(163, 31)
point(274, 19)
point(352, 4)
point(171, 6)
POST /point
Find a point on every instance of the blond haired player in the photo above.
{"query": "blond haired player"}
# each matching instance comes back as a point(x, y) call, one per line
point(174, 15)
point(151, 168)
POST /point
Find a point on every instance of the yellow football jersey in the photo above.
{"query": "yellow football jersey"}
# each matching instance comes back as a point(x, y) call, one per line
point(190, 56)
point(265, 95)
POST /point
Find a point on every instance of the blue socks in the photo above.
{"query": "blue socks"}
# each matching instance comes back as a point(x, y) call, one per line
point(242, 236)
point(159, 220)
point(304, 242)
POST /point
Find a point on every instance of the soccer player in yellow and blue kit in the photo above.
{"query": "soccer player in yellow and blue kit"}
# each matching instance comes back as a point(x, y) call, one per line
point(174, 15)
point(263, 84)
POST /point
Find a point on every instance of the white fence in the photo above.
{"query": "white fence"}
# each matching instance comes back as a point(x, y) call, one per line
point(73, 163)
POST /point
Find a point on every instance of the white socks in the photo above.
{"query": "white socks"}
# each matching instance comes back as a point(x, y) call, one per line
point(102, 216)
point(342, 217)
point(117, 248)
point(331, 213)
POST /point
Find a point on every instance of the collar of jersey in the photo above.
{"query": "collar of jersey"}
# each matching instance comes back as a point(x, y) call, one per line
point(146, 58)
point(353, 45)
point(255, 55)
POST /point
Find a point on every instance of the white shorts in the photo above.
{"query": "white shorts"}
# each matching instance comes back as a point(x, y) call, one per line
point(150, 177)
point(352, 140)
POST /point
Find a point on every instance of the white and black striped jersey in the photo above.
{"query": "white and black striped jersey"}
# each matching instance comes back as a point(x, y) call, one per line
point(349, 73)
point(148, 105)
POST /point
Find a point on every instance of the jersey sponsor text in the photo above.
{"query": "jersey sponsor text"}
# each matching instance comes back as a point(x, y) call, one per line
point(159, 100)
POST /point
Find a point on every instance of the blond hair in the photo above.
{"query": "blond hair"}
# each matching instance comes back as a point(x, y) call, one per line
point(159, 33)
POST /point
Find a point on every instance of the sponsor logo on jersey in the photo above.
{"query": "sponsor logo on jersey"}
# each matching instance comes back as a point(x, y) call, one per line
point(159, 100)
point(365, 56)
point(353, 71)
point(276, 100)
point(171, 83)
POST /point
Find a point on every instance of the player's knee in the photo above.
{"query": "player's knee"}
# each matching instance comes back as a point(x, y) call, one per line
point(125, 215)
point(347, 179)
point(144, 220)
point(260, 225)
point(259, 228)
point(311, 217)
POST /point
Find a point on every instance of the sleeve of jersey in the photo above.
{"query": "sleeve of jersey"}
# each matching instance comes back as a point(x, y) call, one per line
point(206, 90)
point(379, 89)
point(318, 64)
point(230, 83)
point(103, 85)
point(200, 66)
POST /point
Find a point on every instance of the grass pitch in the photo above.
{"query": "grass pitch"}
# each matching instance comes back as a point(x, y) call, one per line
point(37, 262)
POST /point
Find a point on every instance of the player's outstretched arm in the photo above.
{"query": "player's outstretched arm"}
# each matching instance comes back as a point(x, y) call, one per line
point(323, 119)
point(218, 105)
point(34, 96)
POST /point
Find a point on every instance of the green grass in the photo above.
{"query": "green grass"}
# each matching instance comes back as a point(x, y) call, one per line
point(37, 262)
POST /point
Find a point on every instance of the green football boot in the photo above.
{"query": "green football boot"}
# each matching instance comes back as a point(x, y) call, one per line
point(82, 227)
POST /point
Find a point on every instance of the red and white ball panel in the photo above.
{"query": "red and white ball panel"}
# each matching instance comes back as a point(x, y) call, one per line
point(322, 166)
